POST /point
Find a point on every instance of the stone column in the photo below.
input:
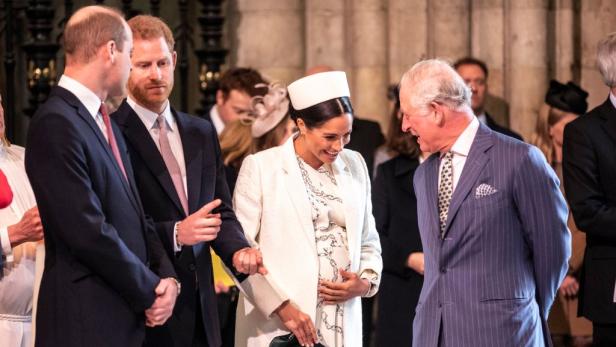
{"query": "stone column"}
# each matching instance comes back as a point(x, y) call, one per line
point(449, 29)
point(597, 21)
point(487, 40)
point(563, 45)
point(368, 47)
point(325, 34)
point(527, 67)
point(270, 38)
point(408, 35)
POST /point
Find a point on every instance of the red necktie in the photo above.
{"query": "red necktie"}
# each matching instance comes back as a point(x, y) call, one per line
point(111, 138)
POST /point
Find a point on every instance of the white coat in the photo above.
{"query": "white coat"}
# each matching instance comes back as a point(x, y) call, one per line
point(272, 205)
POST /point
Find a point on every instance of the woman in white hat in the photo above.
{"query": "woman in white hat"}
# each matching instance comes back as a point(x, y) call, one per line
point(306, 204)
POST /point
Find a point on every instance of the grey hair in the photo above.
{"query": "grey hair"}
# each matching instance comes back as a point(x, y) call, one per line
point(434, 80)
point(606, 59)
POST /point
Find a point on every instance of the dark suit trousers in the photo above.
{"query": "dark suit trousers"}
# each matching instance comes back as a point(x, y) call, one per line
point(603, 335)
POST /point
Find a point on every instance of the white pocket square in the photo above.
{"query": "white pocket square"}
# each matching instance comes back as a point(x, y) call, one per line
point(484, 189)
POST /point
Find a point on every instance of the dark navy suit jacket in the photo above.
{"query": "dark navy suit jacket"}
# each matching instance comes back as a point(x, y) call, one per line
point(493, 278)
point(206, 181)
point(99, 245)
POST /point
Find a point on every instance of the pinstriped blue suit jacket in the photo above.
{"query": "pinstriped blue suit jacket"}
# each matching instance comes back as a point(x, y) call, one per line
point(493, 278)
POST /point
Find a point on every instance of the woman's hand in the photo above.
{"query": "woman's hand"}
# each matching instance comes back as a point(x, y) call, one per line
point(416, 262)
point(569, 287)
point(299, 323)
point(338, 292)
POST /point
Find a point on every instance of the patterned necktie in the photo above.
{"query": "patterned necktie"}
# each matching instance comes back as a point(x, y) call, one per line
point(445, 191)
point(111, 139)
point(171, 162)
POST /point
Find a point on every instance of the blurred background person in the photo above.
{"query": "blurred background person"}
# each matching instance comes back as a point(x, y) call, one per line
point(589, 169)
point(563, 104)
point(475, 73)
point(395, 213)
point(20, 230)
point(236, 88)
point(307, 205)
point(266, 125)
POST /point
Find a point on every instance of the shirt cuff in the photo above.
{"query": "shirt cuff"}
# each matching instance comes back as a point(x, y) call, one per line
point(177, 247)
point(5, 242)
point(372, 277)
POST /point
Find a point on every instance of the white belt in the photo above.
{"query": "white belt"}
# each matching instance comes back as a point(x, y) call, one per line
point(15, 318)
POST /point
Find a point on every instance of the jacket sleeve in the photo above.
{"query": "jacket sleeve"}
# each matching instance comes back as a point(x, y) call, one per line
point(370, 243)
point(58, 169)
point(262, 291)
point(543, 214)
point(591, 209)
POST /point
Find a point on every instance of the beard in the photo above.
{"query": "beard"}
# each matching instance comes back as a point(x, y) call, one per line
point(151, 95)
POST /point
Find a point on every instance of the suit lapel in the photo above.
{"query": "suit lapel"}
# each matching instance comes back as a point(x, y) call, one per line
point(297, 192)
point(431, 174)
point(140, 138)
point(475, 162)
point(348, 191)
point(609, 114)
point(82, 112)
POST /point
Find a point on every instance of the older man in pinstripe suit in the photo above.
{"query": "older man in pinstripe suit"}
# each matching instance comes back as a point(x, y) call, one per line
point(492, 220)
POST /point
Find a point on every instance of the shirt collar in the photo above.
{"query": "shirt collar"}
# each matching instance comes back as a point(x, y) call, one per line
point(613, 99)
point(87, 97)
point(216, 120)
point(463, 144)
point(149, 118)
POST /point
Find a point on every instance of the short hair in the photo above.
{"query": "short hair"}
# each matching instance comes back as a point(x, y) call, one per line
point(471, 61)
point(83, 37)
point(434, 80)
point(606, 59)
point(146, 27)
point(242, 79)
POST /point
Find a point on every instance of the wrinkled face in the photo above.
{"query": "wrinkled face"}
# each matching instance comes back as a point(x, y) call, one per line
point(235, 105)
point(557, 130)
point(121, 67)
point(475, 78)
point(151, 76)
point(420, 123)
point(325, 142)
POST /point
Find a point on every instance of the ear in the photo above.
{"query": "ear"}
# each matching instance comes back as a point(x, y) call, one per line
point(174, 58)
point(301, 126)
point(436, 112)
point(220, 98)
point(111, 50)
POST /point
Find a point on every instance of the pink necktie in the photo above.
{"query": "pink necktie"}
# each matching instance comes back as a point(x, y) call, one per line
point(170, 161)
point(111, 138)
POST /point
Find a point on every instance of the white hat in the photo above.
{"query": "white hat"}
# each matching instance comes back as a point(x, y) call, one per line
point(311, 90)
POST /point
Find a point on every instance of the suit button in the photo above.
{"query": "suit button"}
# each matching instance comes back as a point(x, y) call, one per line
point(443, 270)
point(191, 267)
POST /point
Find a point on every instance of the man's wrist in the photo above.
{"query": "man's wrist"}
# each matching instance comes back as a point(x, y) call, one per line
point(178, 284)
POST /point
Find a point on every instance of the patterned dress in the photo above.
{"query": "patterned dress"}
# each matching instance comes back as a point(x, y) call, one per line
point(331, 243)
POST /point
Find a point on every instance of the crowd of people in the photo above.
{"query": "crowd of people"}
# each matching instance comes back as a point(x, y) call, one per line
point(280, 217)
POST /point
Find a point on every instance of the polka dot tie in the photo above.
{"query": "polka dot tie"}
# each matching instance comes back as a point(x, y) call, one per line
point(445, 190)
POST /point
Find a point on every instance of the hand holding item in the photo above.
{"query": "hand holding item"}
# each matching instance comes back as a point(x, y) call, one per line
point(6, 194)
point(162, 308)
point(28, 229)
point(338, 292)
point(299, 323)
point(249, 261)
point(201, 226)
point(416, 262)
point(569, 287)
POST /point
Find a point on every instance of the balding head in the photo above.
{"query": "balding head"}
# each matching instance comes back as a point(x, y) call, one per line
point(90, 28)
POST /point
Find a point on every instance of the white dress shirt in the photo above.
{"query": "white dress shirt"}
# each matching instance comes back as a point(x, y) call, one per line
point(460, 150)
point(87, 98)
point(219, 125)
point(148, 118)
point(18, 270)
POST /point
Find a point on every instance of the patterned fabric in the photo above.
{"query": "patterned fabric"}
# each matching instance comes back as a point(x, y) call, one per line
point(332, 246)
point(484, 189)
point(445, 191)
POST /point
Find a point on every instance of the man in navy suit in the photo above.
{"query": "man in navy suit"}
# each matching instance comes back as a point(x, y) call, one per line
point(104, 262)
point(180, 177)
point(492, 219)
point(589, 168)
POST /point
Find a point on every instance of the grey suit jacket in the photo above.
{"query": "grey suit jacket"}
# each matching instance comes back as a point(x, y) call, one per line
point(493, 278)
